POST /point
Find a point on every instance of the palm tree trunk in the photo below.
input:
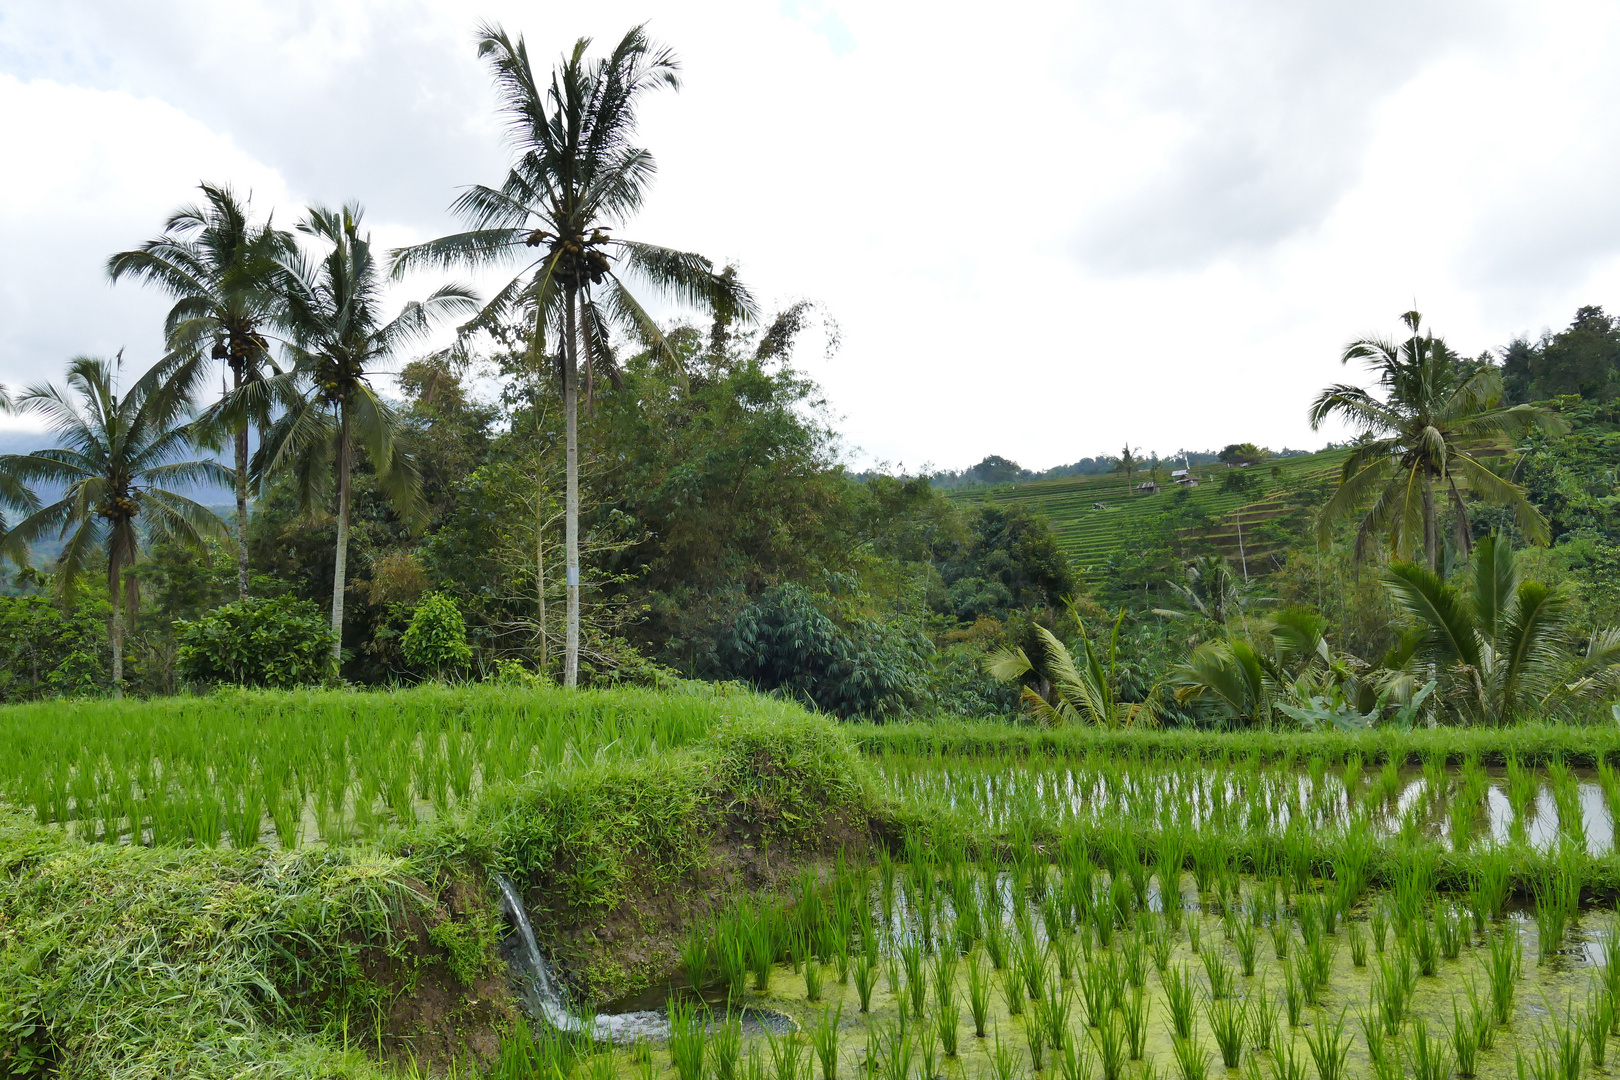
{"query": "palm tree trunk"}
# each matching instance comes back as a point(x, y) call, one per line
point(540, 575)
point(241, 510)
point(115, 629)
point(341, 561)
point(1431, 526)
point(571, 519)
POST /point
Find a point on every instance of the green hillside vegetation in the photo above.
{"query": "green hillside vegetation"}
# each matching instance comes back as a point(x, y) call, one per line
point(1090, 535)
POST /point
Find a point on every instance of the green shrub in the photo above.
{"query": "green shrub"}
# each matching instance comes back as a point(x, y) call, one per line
point(784, 641)
point(436, 641)
point(275, 643)
point(46, 652)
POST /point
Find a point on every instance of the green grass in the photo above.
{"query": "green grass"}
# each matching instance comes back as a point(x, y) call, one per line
point(1088, 536)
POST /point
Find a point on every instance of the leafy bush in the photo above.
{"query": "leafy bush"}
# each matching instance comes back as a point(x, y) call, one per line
point(45, 652)
point(277, 643)
point(436, 641)
point(859, 667)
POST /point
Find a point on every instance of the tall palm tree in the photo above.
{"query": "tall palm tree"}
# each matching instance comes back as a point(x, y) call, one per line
point(338, 341)
point(221, 271)
point(117, 460)
point(1500, 646)
point(576, 177)
point(1439, 421)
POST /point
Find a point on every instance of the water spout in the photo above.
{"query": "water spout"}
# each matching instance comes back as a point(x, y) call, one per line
point(544, 997)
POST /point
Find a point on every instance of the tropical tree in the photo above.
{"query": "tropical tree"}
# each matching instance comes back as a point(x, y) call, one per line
point(1500, 646)
point(1128, 462)
point(338, 340)
point(576, 177)
point(221, 270)
point(117, 463)
point(1433, 434)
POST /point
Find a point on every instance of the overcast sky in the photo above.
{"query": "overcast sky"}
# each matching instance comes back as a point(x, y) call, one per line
point(1044, 229)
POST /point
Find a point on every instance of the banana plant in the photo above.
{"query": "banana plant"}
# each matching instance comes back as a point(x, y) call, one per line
point(1083, 689)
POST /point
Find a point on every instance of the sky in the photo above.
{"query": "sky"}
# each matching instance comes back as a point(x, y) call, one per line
point(1043, 230)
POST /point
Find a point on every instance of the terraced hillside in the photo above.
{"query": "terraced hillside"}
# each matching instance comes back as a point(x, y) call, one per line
point(1093, 515)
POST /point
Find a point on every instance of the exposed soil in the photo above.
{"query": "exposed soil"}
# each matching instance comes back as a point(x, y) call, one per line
point(434, 1019)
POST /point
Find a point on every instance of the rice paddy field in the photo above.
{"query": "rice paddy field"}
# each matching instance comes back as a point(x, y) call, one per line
point(988, 902)
point(1094, 516)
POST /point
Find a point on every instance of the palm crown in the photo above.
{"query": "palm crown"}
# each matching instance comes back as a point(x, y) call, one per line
point(1437, 425)
point(338, 341)
point(222, 272)
point(576, 177)
point(118, 460)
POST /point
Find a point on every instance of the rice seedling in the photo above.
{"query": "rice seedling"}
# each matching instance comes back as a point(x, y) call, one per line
point(1244, 938)
point(995, 943)
point(1329, 1046)
point(824, 1039)
point(1135, 1011)
point(1218, 972)
point(1035, 1040)
point(1430, 1058)
point(1392, 987)
point(1064, 951)
point(1425, 948)
point(1192, 1060)
point(1194, 934)
point(1559, 1044)
point(1383, 1050)
point(1449, 930)
point(1320, 954)
point(927, 1053)
point(1003, 1064)
point(761, 939)
point(1111, 1048)
point(978, 984)
point(1263, 1018)
point(1161, 947)
point(1293, 995)
point(1503, 960)
point(1596, 1024)
point(1012, 990)
point(1074, 1059)
point(1281, 932)
point(1464, 1038)
point(1378, 926)
point(1229, 1022)
point(1034, 970)
point(866, 977)
point(688, 1039)
point(1286, 1062)
point(695, 956)
point(1180, 998)
point(726, 1041)
point(1358, 944)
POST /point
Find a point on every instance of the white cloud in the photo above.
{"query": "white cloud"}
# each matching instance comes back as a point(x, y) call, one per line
point(1044, 229)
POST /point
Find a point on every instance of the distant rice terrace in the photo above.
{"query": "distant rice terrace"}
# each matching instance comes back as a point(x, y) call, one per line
point(1089, 533)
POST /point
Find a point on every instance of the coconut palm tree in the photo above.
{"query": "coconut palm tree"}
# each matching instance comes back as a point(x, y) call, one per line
point(338, 340)
point(118, 459)
point(1500, 646)
point(576, 178)
point(1430, 436)
point(220, 269)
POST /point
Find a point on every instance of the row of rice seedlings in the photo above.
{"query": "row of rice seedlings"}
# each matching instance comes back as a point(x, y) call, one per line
point(233, 768)
point(1248, 794)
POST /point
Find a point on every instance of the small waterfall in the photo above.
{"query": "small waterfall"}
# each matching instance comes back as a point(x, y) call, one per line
point(544, 998)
